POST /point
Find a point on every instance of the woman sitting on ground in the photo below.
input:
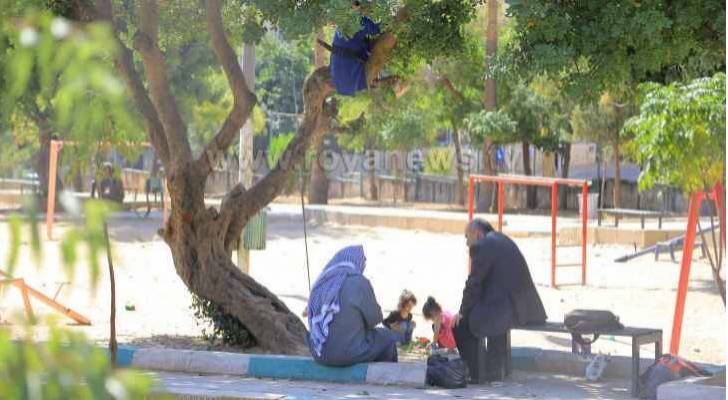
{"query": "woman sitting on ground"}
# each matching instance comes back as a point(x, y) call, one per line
point(343, 315)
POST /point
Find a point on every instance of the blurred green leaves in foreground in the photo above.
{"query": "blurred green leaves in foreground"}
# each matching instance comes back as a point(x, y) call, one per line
point(66, 366)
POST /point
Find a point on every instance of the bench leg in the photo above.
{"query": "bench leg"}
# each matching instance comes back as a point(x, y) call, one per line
point(509, 356)
point(659, 222)
point(642, 222)
point(658, 349)
point(635, 367)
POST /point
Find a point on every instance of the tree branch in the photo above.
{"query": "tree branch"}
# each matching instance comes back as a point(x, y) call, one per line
point(243, 99)
point(447, 84)
point(145, 41)
point(124, 63)
point(383, 46)
point(241, 204)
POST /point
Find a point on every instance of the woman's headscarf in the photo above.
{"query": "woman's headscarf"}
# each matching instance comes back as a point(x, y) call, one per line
point(324, 302)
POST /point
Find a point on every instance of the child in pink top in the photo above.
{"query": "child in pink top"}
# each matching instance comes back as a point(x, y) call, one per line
point(441, 324)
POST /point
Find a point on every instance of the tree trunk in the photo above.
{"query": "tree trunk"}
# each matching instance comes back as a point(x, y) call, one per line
point(460, 198)
point(565, 163)
point(197, 241)
point(318, 191)
point(530, 190)
point(617, 192)
point(112, 307)
point(372, 172)
point(41, 160)
point(485, 201)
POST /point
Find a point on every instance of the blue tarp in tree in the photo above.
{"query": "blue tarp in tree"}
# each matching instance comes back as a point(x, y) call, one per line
point(349, 56)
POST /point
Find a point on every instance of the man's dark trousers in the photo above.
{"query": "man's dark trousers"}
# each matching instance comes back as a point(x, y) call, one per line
point(486, 362)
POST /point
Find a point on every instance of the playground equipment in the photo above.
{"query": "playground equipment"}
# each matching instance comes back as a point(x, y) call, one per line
point(56, 146)
point(667, 245)
point(625, 212)
point(553, 183)
point(27, 292)
point(717, 195)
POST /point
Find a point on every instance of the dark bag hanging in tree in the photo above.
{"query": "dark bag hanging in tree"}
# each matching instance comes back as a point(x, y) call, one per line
point(591, 322)
point(445, 373)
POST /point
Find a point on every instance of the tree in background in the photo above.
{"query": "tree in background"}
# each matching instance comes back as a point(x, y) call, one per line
point(602, 123)
point(458, 81)
point(57, 84)
point(596, 47)
point(201, 239)
point(679, 139)
point(384, 121)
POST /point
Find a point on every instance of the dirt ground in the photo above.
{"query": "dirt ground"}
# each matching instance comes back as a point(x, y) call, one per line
point(154, 305)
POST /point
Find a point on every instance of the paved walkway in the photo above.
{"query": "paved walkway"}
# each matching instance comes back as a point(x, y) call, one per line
point(522, 386)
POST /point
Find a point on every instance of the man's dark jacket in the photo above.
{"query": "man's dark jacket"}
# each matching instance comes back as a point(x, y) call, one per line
point(499, 293)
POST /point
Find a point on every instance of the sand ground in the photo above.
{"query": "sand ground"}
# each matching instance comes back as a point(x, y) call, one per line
point(641, 292)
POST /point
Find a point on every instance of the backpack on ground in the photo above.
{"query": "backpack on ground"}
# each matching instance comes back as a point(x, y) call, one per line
point(446, 373)
point(591, 322)
point(667, 368)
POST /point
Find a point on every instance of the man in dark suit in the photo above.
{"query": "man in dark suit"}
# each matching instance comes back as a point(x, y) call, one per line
point(499, 295)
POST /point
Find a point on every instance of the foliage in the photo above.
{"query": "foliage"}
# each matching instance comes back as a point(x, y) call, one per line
point(277, 146)
point(603, 121)
point(66, 366)
point(680, 134)
point(58, 74)
point(281, 68)
point(225, 327)
point(431, 29)
point(496, 125)
point(595, 45)
point(381, 119)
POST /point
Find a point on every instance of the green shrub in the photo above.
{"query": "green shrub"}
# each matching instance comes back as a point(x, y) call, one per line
point(225, 327)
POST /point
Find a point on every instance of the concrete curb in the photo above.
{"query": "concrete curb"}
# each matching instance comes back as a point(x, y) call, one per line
point(408, 374)
point(270, 366)
point(689, 389)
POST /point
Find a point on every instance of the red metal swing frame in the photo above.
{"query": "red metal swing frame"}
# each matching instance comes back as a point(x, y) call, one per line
point(501, 180)
point(717, 194)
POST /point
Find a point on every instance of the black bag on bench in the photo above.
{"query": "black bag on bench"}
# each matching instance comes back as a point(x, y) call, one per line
point(590, 322)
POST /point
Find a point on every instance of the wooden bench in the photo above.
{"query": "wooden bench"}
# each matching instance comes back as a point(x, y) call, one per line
point(639, 336)
point(625, 212)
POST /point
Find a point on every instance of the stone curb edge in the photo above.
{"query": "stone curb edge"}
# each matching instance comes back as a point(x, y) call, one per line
point(269, 366)
point(410, 374)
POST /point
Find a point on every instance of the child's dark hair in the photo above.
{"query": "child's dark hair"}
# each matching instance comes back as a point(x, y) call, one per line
point(431, 306)
point(405, 298)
